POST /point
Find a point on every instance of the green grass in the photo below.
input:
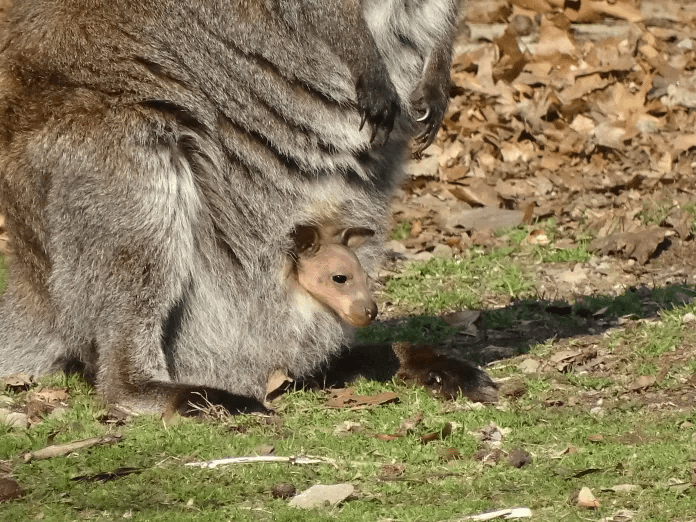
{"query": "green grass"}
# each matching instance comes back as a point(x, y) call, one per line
point(452, 284)
point(415, 329)
point(401, 231)
point(646, 439)
point(656, 212)
point(429, 489)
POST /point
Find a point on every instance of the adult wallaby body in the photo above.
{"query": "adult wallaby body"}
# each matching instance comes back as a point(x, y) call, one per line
point(155, 157)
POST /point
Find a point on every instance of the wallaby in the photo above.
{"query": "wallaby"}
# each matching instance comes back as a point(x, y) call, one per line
point(330, 273)
point(155, 158)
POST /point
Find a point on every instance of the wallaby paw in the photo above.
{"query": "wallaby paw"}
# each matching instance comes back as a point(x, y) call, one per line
point(378, 103)
point(429, 102)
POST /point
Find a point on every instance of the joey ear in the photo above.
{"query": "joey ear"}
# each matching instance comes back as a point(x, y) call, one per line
point(354, 237)
point(306, 239)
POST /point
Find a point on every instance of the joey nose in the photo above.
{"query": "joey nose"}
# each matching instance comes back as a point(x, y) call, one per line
point(371, 311)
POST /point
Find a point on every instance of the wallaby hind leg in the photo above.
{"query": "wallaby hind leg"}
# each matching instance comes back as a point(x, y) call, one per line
point(125, 223)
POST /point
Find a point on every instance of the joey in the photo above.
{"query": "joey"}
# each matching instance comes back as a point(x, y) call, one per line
point(331, 273)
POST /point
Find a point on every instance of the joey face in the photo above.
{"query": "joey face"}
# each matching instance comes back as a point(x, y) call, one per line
point(334, 277)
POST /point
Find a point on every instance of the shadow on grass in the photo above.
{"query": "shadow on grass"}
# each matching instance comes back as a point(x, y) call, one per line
point(505, 332)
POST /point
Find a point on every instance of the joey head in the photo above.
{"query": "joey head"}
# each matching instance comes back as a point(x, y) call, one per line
point(332, 274)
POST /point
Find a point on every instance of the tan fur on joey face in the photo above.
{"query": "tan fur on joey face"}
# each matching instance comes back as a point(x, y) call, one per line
point(331, 273)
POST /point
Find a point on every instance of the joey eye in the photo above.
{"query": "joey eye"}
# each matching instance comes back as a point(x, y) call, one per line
point(339, 279)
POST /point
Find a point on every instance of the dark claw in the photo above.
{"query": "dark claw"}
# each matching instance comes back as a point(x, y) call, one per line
point(387, 132)
point(375, 128)
point(425, 116)
point(362, 121)
point(424, 134)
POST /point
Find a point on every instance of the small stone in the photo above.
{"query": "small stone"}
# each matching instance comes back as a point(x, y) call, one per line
point(529, 366)
point(9, 488)
point(16, 420)
point(586, 499)
point(395, 246)
point(514, 388)
point(686, 43)
point(421, 256)
point(321, 495)
point(283, 491)
point(443, 252)
point(689, 318)
point(519, 457)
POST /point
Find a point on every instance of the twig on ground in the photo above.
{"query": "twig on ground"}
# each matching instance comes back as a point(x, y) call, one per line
point(308, 459)
point(57, 450)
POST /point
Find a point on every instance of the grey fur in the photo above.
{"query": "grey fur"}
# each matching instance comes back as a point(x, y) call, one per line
point(155, 156)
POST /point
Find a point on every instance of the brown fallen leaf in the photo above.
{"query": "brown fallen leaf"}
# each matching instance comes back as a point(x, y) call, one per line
point(278, 383)
point(529, 366)
point(483, 219)
point(416, 228)
point(638, 245)
point(445, 432)
point(344, 398)
point(595, 10)
point(554, 40)
point(387, 437)
point(116, 415)
point(52, 395)
point(681, 222)
point(683, 142)
point(18, 381)
point(476, 192)
point(537, 237)
point(513, 388)
point(45, 401)
point(538, 6)
point(491, 434)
